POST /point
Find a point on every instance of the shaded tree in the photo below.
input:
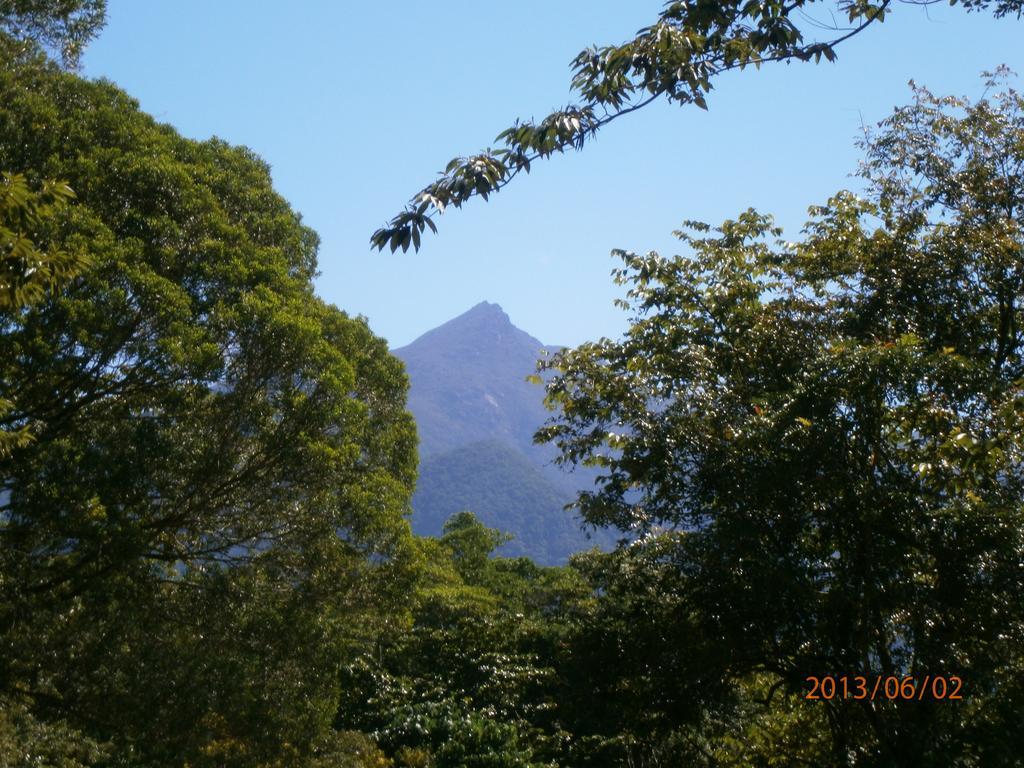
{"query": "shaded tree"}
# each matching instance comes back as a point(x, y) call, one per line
point(817, 447)
point(210, 518)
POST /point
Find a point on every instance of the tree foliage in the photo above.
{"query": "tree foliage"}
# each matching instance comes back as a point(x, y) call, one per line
point(473, 681)
point(814, 450)
point(27, 267)
point(210, 517)
point(678, 57)
point(62, 26)
point(817, 446)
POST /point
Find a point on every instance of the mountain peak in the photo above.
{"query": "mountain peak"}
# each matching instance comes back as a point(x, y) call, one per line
point(485, 306)
point(485, 311)
point(484, 326)
point(476, 414)
point(473, 369)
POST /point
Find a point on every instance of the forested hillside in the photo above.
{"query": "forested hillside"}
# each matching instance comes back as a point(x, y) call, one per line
point(507, 492)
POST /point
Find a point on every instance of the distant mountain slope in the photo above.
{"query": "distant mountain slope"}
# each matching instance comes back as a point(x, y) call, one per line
point(476, 415)
point(469, 383)
point(506, 491)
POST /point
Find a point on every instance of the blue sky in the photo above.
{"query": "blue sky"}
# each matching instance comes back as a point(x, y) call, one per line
point(357, 106)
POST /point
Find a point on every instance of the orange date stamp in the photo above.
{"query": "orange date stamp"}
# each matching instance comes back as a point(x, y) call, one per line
point(885, 687)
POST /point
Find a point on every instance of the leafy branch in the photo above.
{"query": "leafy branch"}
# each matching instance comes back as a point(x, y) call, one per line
point(678, 57)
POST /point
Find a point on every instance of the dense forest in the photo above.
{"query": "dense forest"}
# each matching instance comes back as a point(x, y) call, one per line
point(813, 451)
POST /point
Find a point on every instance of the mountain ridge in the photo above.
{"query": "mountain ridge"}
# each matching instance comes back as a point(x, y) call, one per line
point(476, 415)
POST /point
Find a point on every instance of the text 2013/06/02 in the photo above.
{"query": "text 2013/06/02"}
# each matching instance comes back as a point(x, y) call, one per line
point(891, 687)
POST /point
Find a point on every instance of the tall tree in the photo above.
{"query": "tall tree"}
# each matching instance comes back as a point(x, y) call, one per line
point(678, 58)
point(210, 517)
point(817, 447)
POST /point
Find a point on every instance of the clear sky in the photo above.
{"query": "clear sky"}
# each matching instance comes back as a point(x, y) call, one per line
point(357, 106)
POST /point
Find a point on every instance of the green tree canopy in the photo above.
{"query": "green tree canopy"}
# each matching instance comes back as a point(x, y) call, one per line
point(210, 517)
point(62, 26)
point(818, 445)
point(472, 682)
point(678, 57)
point(27, 266)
